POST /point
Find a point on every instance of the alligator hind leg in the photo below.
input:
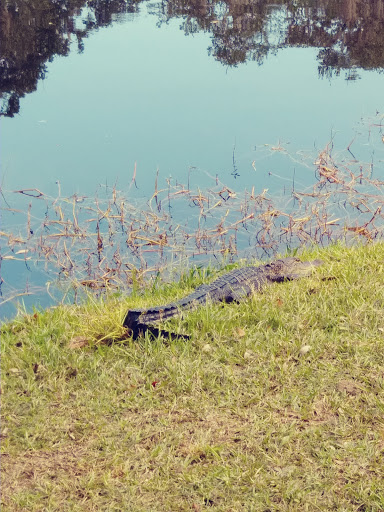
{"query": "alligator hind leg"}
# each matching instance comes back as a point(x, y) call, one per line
point(141, 329)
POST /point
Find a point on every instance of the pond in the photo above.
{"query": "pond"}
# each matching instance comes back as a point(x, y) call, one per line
point(208, 101)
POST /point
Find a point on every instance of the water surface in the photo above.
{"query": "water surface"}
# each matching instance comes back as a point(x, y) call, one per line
point(191, 92)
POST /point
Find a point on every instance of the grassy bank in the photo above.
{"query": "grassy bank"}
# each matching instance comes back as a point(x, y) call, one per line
point(276, 404)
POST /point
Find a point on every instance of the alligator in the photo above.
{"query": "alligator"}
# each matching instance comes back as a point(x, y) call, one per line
point(230, 287)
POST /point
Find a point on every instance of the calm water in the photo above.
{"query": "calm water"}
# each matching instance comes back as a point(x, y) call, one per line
point(170, 92)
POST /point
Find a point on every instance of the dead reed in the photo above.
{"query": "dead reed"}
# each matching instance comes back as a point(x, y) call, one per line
point(105, 243)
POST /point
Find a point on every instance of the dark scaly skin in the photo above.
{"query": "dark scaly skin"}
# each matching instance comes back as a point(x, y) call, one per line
point(232, 286)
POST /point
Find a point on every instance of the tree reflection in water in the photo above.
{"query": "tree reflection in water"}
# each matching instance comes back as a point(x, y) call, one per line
point(348, 33)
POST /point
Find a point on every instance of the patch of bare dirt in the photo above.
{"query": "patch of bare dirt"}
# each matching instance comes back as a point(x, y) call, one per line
point(25, 470)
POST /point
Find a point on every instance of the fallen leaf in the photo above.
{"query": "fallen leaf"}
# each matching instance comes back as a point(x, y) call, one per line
point(239, 332)
point(304, 350)
point(78, 342)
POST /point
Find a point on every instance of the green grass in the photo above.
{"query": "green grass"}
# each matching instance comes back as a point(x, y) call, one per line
point(239, 418)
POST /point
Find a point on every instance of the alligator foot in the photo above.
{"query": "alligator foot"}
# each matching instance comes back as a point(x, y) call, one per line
point(141, 329)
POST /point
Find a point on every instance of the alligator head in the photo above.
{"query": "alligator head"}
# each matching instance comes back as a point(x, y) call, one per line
point(288, 269)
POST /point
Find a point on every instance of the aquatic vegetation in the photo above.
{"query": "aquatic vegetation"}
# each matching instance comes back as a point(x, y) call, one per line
point(114, 241)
